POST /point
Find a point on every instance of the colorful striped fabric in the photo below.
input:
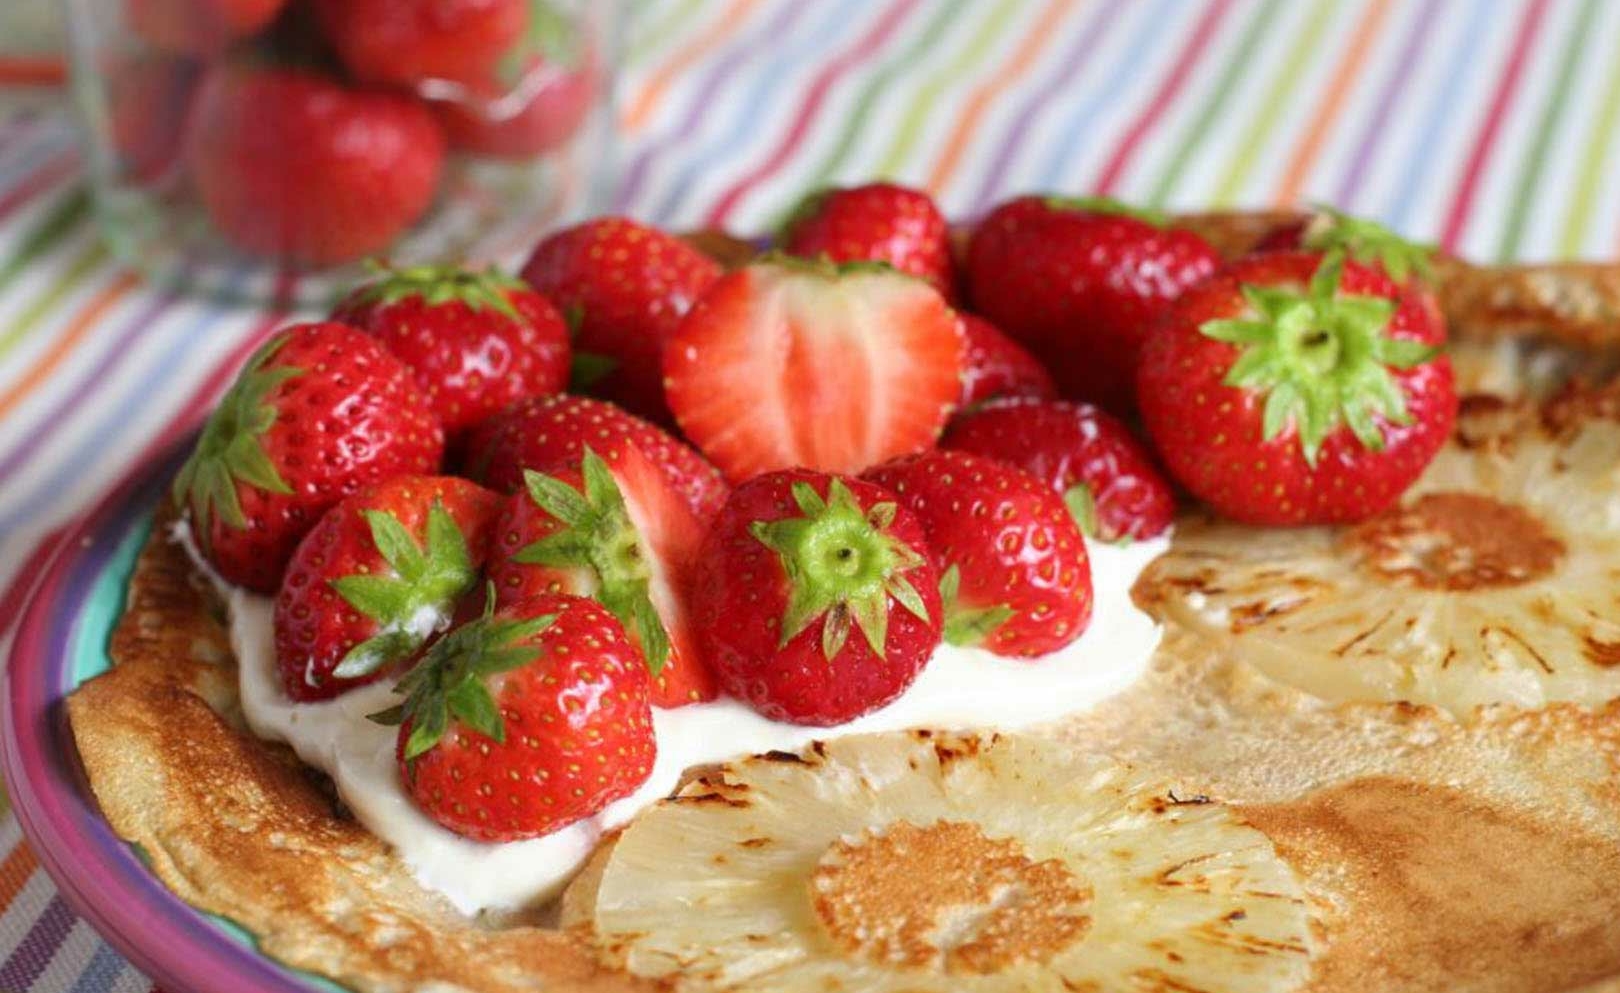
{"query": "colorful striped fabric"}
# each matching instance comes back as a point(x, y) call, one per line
point(1489, 126)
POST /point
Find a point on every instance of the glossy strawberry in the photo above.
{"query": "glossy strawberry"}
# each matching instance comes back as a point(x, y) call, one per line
point(478, 341)
point(878, 222)
point(525, 720)
point(1297, 388)
point(538, 114)
point(1105, 475)
point(1081, 283)
point(1015, 578)
point(406, 42)
point(553, 432)
point(320, 411)
point(380, 573)
point(623, 536)
point(814, 597)
point(297, 167)
point(996, 366)
point(1409, 264)
point(625, 287)
point(199, 27)
point(789, 362)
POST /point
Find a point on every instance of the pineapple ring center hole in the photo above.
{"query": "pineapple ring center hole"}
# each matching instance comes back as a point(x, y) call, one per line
point(1457, 542)
point(946, 898)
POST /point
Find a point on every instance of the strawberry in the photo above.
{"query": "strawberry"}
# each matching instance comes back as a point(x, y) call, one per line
point(1014, 575)
point(1080, 282)
point(1409, 264)
point(1091, 459)
point(790, 362)
point(525, 720)
point(996, 366)
point(625, 288)
point(622, 536)
point(879, 222)
point(477, 341)
point(814, 597)
point(538, 114)
point(320, 411)
point(295, 166)
point(199, 27)
point(379, 574)
point(1297, 388)
point(553, 432)
point(407, 42)
point(149, 100)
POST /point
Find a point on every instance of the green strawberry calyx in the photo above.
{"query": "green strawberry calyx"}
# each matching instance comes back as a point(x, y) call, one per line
point(477, 289)
point(1111, 206)
point(1321, 359)
point(1369, 243)
point(414, 602)
point(843, 564)
point(598, 534)
point(450, 682)
point(230, 450)
point(968, 625)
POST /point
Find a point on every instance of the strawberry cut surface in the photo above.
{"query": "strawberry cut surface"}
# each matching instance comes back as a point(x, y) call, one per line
point(791, 363)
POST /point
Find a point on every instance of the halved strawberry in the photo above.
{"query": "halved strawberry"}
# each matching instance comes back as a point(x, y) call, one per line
point(797, 363)
point(622, 535)
point(547, 433)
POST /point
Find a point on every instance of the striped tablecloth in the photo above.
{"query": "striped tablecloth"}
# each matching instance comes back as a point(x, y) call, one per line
point(1486, 125)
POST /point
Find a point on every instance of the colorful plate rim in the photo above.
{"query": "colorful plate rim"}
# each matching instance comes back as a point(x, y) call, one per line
point(99, 875)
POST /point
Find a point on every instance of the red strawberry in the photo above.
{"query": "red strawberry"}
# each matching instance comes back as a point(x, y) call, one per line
point(1092, 460)
point(525, 720)
point(539, 113)
point(622, 536)
point(477, 341)
point(1409, 264)
point(996, 366)
point(319, 412)
point(1297, 388)
point(879, 222)
point(1015, 578)
point(294, 166)
point(550, 433)
point(405, 42)
point(199, 27)
point(814, 597)
point(1081, 282)
point(625, 287)
point(379, 574)
point(149, 100)
point(790, 362)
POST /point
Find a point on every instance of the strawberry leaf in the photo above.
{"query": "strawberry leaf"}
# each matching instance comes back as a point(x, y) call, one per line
point(415, 597)
point(598, 534)
point(230, 451)
point(477, 290)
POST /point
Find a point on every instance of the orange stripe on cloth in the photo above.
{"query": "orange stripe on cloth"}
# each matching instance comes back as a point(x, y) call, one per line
point(63, 346)
point(647, 99)
point(1040, 34)
point(1345, 75)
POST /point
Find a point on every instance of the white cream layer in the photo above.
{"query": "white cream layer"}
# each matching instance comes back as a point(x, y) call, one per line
point(959, 689)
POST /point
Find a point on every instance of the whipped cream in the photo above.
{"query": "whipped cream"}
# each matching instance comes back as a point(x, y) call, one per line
point(960, 688)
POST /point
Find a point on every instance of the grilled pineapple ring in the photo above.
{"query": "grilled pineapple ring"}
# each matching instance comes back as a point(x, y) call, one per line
point(1496, 580)
point(918, 862)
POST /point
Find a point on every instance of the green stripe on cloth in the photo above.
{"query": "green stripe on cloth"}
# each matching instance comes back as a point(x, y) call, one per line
point(1583, 198)
point(649, 36)
point(83, 266)
point(1535, 158)
point(945, 12)
point(1304, 49)
point(1210, 111)
point(61, 219)
point(923, 104)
